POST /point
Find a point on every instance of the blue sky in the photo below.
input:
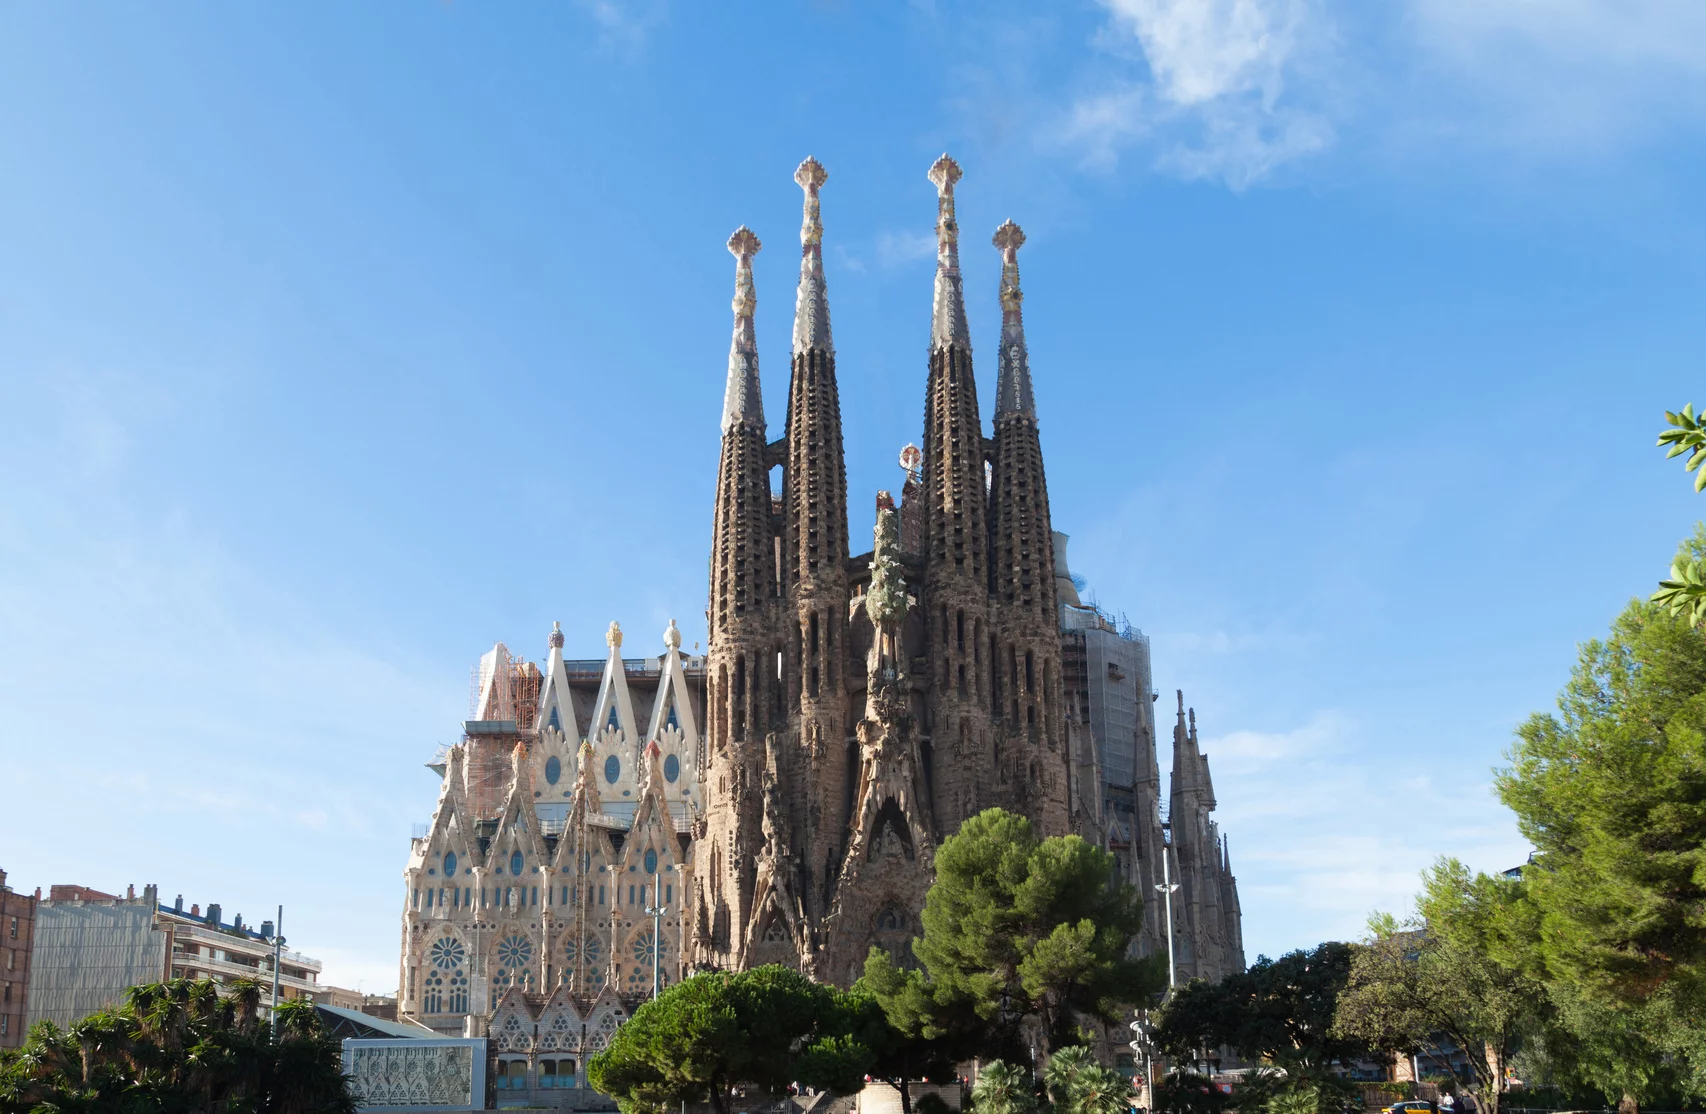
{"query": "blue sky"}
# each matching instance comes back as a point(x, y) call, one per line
point(337, 343)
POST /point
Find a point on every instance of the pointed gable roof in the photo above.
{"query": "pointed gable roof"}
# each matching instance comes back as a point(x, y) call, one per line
point(556, 706)
point(518, 825)
point(613, 692)
point(601, 1021)
point(494, 699)
point(451, 826)
point(673, 692)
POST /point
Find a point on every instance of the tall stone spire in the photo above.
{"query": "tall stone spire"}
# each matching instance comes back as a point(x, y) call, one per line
point(1021, 560)
point(815, 580)
point(963, 701)
point(1013, 378)
point(743, 620)
point(811, 305)
point(948, 314)
point(742, 401)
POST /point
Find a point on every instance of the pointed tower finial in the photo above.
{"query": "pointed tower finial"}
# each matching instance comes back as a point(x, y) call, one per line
point(742, 401)
point(672, 636)
point(613, 636)
point(1013, 393)
point(811, 304)
point(556, 639)
point(948, 316)
point(1181, 695)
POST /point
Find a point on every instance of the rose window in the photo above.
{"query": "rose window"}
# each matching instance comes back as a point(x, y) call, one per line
point(447, 953)
point(515, 951)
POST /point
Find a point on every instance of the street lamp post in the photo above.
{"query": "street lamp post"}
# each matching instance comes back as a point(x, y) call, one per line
point(277, 953)
point(656, 912)
point(1166, 889)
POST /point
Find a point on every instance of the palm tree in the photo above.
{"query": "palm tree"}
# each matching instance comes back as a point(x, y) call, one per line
point(1077, 1084)
point(1003, 1088)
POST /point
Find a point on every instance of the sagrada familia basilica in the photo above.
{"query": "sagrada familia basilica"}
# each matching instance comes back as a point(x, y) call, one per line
point(606, 826)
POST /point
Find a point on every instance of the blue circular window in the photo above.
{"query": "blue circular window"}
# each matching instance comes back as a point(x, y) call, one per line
point(612, 769)
point(651, 861)
point(450, 864)
point(671, 768)
point(553, 769)
point(515, 863)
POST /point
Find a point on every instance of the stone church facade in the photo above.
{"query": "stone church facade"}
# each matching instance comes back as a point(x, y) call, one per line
point(783, 799)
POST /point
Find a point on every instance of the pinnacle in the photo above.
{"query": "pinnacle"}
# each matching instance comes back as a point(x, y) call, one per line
point(811, 303)
point(743, 402)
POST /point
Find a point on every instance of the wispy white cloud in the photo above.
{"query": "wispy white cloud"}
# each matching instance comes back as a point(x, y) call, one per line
point(1234, 90)
point(1213, 96)
point(1325, 827)
point(896, 248)
point(623, 25)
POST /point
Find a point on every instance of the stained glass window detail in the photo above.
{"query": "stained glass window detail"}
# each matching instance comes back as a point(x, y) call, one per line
point(515, 863)
point(450, 864)
point(515, 950)
point(651, 861)
point(553, 766)
point(612, 769)
point(671, 768)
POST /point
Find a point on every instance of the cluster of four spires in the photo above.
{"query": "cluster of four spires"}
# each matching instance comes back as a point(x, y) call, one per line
point(985, 722)
point(811, 319)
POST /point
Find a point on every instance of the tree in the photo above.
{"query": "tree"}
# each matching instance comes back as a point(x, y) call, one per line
point(1003, 1088)
point(913, 1036)
point(709, 1033)
point(1077, 1084)
point(1684, 594)
point(1280, 1011)
point(1445, 973)
point(1015, 927)
point(1611, 791)
point(180, 1046)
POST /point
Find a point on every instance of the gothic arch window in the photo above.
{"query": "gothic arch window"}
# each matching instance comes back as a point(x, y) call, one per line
point(515, 863)
point(651, 861)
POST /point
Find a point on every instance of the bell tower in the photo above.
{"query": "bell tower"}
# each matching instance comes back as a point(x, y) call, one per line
point(958, 641)
point(814, 574)
point(1022, 574)
point(740, 670)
